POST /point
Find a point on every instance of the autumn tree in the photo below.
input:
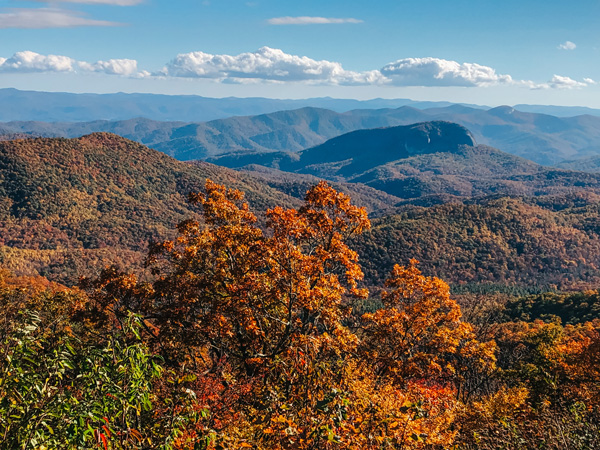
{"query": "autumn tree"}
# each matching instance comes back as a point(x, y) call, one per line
point(418, 333)
point(249, 294)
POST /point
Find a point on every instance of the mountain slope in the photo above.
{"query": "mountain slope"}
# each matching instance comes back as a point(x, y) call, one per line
point(429, 162)
point(502, 242)
point(71, 206)
point(68, 204)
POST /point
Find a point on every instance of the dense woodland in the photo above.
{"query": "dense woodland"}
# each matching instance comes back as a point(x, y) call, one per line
point(544, 242)
point(69, 207)
point(263, 336)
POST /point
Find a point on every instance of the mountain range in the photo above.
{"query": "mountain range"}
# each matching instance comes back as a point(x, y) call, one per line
point(69, 107)
point(69, 207)
point(545, 139)
point(413, 162)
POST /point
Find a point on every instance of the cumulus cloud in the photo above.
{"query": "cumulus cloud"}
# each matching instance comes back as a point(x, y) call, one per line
point(306, 20)
point(47, 18)
point(441, 72)
point(28, 62)
point(123, 67)
point(567, 45)
point(34, 62)
point(266, 64)
point(560, 82)
point(274, 65)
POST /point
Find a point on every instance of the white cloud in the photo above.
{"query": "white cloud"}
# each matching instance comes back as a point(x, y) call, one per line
point(441, 72)
point(34, 62)
point(47, 18)
point(559, 82)
point(532, 84)
point(567, 45)
point(28, 62)
point(306, 20)
point(266, 64)
point(123, 67)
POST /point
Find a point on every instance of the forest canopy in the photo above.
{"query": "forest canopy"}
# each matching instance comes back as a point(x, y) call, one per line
point(249, 336)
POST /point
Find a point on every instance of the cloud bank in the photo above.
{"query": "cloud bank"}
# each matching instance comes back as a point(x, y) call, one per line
point(306, 20)
point(441, 72)
point(123, 67)
point(31, 62)
point(269, 65)
point(25, 62)
point(560, 82)
point(266, 64)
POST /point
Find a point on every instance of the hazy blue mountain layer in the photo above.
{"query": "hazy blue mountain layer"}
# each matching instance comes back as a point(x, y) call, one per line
point(541, 138)
point(67, 107)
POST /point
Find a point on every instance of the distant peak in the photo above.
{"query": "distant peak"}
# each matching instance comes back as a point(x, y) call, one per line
point(444, 133)
point(502, 110)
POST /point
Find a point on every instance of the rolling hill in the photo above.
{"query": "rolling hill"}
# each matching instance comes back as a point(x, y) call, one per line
point(501, 243)
point(69, 207)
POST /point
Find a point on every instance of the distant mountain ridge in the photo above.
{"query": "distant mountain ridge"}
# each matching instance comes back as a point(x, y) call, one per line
point(541, 138)
point(17, 105)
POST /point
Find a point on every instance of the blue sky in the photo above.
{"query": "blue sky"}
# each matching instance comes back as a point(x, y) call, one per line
point(486, 52)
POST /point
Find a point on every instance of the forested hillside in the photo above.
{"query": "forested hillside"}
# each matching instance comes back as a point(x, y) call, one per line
point(70, 206)
point(503, 241)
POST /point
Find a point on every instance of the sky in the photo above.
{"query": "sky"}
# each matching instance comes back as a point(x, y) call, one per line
point(486, 52)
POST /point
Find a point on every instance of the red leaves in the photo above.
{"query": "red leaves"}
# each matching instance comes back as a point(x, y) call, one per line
point(101, 438)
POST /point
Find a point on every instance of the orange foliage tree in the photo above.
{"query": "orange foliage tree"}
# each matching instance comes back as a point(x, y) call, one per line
point(418, 333)
point(249, 295)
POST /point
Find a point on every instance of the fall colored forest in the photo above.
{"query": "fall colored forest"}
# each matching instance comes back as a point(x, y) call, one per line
point(69, 207)
point(258, 331)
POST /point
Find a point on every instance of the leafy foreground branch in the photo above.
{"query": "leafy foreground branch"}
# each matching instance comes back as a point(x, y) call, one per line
point(247, 338)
